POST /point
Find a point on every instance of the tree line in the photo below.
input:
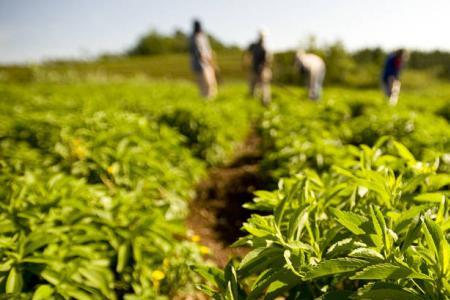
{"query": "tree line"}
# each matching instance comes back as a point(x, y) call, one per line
point(357, 68)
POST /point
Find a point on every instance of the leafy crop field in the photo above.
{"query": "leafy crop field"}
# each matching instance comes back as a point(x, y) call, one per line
point(96, 176)
point(95, 182)
point(361, 210)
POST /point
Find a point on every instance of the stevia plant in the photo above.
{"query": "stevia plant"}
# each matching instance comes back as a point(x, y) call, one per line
point(95, 185)
point(377, 228)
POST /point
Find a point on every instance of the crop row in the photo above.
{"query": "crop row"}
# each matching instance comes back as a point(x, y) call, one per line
point(361, 210)
point(95, 180)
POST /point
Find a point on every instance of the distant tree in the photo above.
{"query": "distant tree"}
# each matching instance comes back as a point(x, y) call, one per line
point(340, 64)
point(369, 56)
point(437, 60)
point(154, 43)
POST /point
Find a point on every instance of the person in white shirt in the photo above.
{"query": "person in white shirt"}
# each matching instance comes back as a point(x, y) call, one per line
point(202, 62)
point(314, 67)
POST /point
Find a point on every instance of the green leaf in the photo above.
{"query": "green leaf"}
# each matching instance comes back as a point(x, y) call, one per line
point(335, 266)
point(229, 293)
point(6, 266)
point(337, 295)
point(38, 260)
point(76, 293)
point(205, 289)
point(437, 181)
point(123, 256)
point(429, 197)
point(211, 274)
point(279, 287)
point(297, 222)
point(96, 279)
point(349, 220)
point(231, 279)
point(14, 283)
point(388, 271)
point(259, 259)
point(279, 211)
point(260, 226)
point(412, 234)
point(444, 252)
point(342, 247)
point(404, 152)
point(382, 227)
point(38, 241)
point(281, 207)
point(367, 254)
point(266, 279)
point(434, 236)
point(43, 292)
point(387, 294)
point(51, 276)
point(379, 231)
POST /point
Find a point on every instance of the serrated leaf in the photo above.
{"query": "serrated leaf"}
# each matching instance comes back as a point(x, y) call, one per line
point(350, 220)
point(335, 266)
point(387, 294)
point(342, 247)
point(387, 271)
point(367, 253)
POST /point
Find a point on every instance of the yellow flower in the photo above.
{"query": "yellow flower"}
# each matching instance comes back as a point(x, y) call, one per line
point(158, 275)
point(195, 238)
point(204, 250)
point(78, 150)
point(110, 169)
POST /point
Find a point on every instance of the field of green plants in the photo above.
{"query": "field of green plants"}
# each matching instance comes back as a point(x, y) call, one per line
point(96, 176)
point(361, 210)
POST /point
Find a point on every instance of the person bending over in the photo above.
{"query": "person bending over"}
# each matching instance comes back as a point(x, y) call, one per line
point(314, 67)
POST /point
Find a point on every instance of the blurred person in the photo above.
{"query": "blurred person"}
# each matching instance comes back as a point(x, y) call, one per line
point(202, 62)
point(314, 67)
point(260, 68)
point(390, 78)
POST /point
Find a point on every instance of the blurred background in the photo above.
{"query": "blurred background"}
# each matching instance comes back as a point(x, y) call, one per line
point(149, 38)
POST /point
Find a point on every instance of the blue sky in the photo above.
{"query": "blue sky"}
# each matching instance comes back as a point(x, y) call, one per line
point(32, 30)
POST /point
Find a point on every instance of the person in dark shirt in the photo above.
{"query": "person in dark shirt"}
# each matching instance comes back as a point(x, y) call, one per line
point(391, 74)
point(260, 72)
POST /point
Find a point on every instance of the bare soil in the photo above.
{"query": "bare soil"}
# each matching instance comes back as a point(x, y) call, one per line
point(216, 214)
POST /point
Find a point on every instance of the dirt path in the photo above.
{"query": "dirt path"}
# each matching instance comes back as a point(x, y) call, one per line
point(216, 215)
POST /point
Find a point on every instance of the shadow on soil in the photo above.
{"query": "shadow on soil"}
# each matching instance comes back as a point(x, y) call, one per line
point(216, 215)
